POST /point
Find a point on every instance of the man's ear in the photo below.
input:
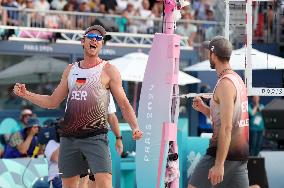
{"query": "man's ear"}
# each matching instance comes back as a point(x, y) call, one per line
point(214, 56)
point(82, 42)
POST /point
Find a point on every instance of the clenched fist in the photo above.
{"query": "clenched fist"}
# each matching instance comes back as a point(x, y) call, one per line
point(20, 89)
point(198, 104)
point(137, 134)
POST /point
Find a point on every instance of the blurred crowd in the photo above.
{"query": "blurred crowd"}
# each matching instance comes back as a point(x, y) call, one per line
point(26, 136)
point(132, 16)
point(22, 140)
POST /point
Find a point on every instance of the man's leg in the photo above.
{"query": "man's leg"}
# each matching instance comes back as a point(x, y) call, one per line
point(239, 176)
point(91, 184)
point(103, 180)
point(97, 153)
point(71, 163)
point(71, 182)
point(235, 174)
point(199, 177)
point(254, 186)
point(190, 186)
point(84, 181)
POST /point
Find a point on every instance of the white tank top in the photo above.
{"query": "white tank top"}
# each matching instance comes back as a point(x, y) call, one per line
point(87, 103)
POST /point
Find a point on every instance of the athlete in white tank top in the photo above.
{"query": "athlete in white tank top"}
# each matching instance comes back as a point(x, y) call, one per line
point(86, 91)
point(88, 99)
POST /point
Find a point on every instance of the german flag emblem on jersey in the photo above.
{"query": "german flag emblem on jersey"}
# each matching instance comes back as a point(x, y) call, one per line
point(80, 82)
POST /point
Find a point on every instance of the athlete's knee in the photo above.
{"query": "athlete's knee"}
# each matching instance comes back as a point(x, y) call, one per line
point(103, 180)
point(254, 186)
point(71, 182)
point(92, 184)
point(190, 186)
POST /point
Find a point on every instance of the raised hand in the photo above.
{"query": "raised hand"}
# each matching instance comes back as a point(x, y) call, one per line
point(20, 89)
point(198, 104)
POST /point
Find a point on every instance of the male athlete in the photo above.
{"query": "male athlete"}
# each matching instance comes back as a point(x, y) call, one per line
point(87, 85)
point(225, 163)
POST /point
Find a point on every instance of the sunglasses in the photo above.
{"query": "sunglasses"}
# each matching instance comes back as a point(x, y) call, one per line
point(93, 35)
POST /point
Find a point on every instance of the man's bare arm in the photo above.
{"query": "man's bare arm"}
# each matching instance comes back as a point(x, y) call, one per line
point(115, 85)
point(226, 93)
point(200, 106)
point(48, 101)
point(206, 111)
point(113, 121)
point(114, 125)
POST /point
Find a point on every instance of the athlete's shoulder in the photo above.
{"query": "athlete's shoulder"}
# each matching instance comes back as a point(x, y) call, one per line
point(226, 89)
point(226, 83)
point(67, 70)
point(110, 68)
point(68, 67)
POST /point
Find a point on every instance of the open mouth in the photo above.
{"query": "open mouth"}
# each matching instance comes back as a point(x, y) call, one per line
point(93, 46)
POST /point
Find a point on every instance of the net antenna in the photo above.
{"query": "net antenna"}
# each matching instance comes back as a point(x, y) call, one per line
point(260, 91)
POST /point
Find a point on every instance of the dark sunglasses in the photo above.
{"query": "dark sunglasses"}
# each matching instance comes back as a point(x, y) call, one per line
point(93, 35)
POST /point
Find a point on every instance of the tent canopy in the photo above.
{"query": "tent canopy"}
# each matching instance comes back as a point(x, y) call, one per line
point(260, 60)
point(132, 67)
point(34, 69)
